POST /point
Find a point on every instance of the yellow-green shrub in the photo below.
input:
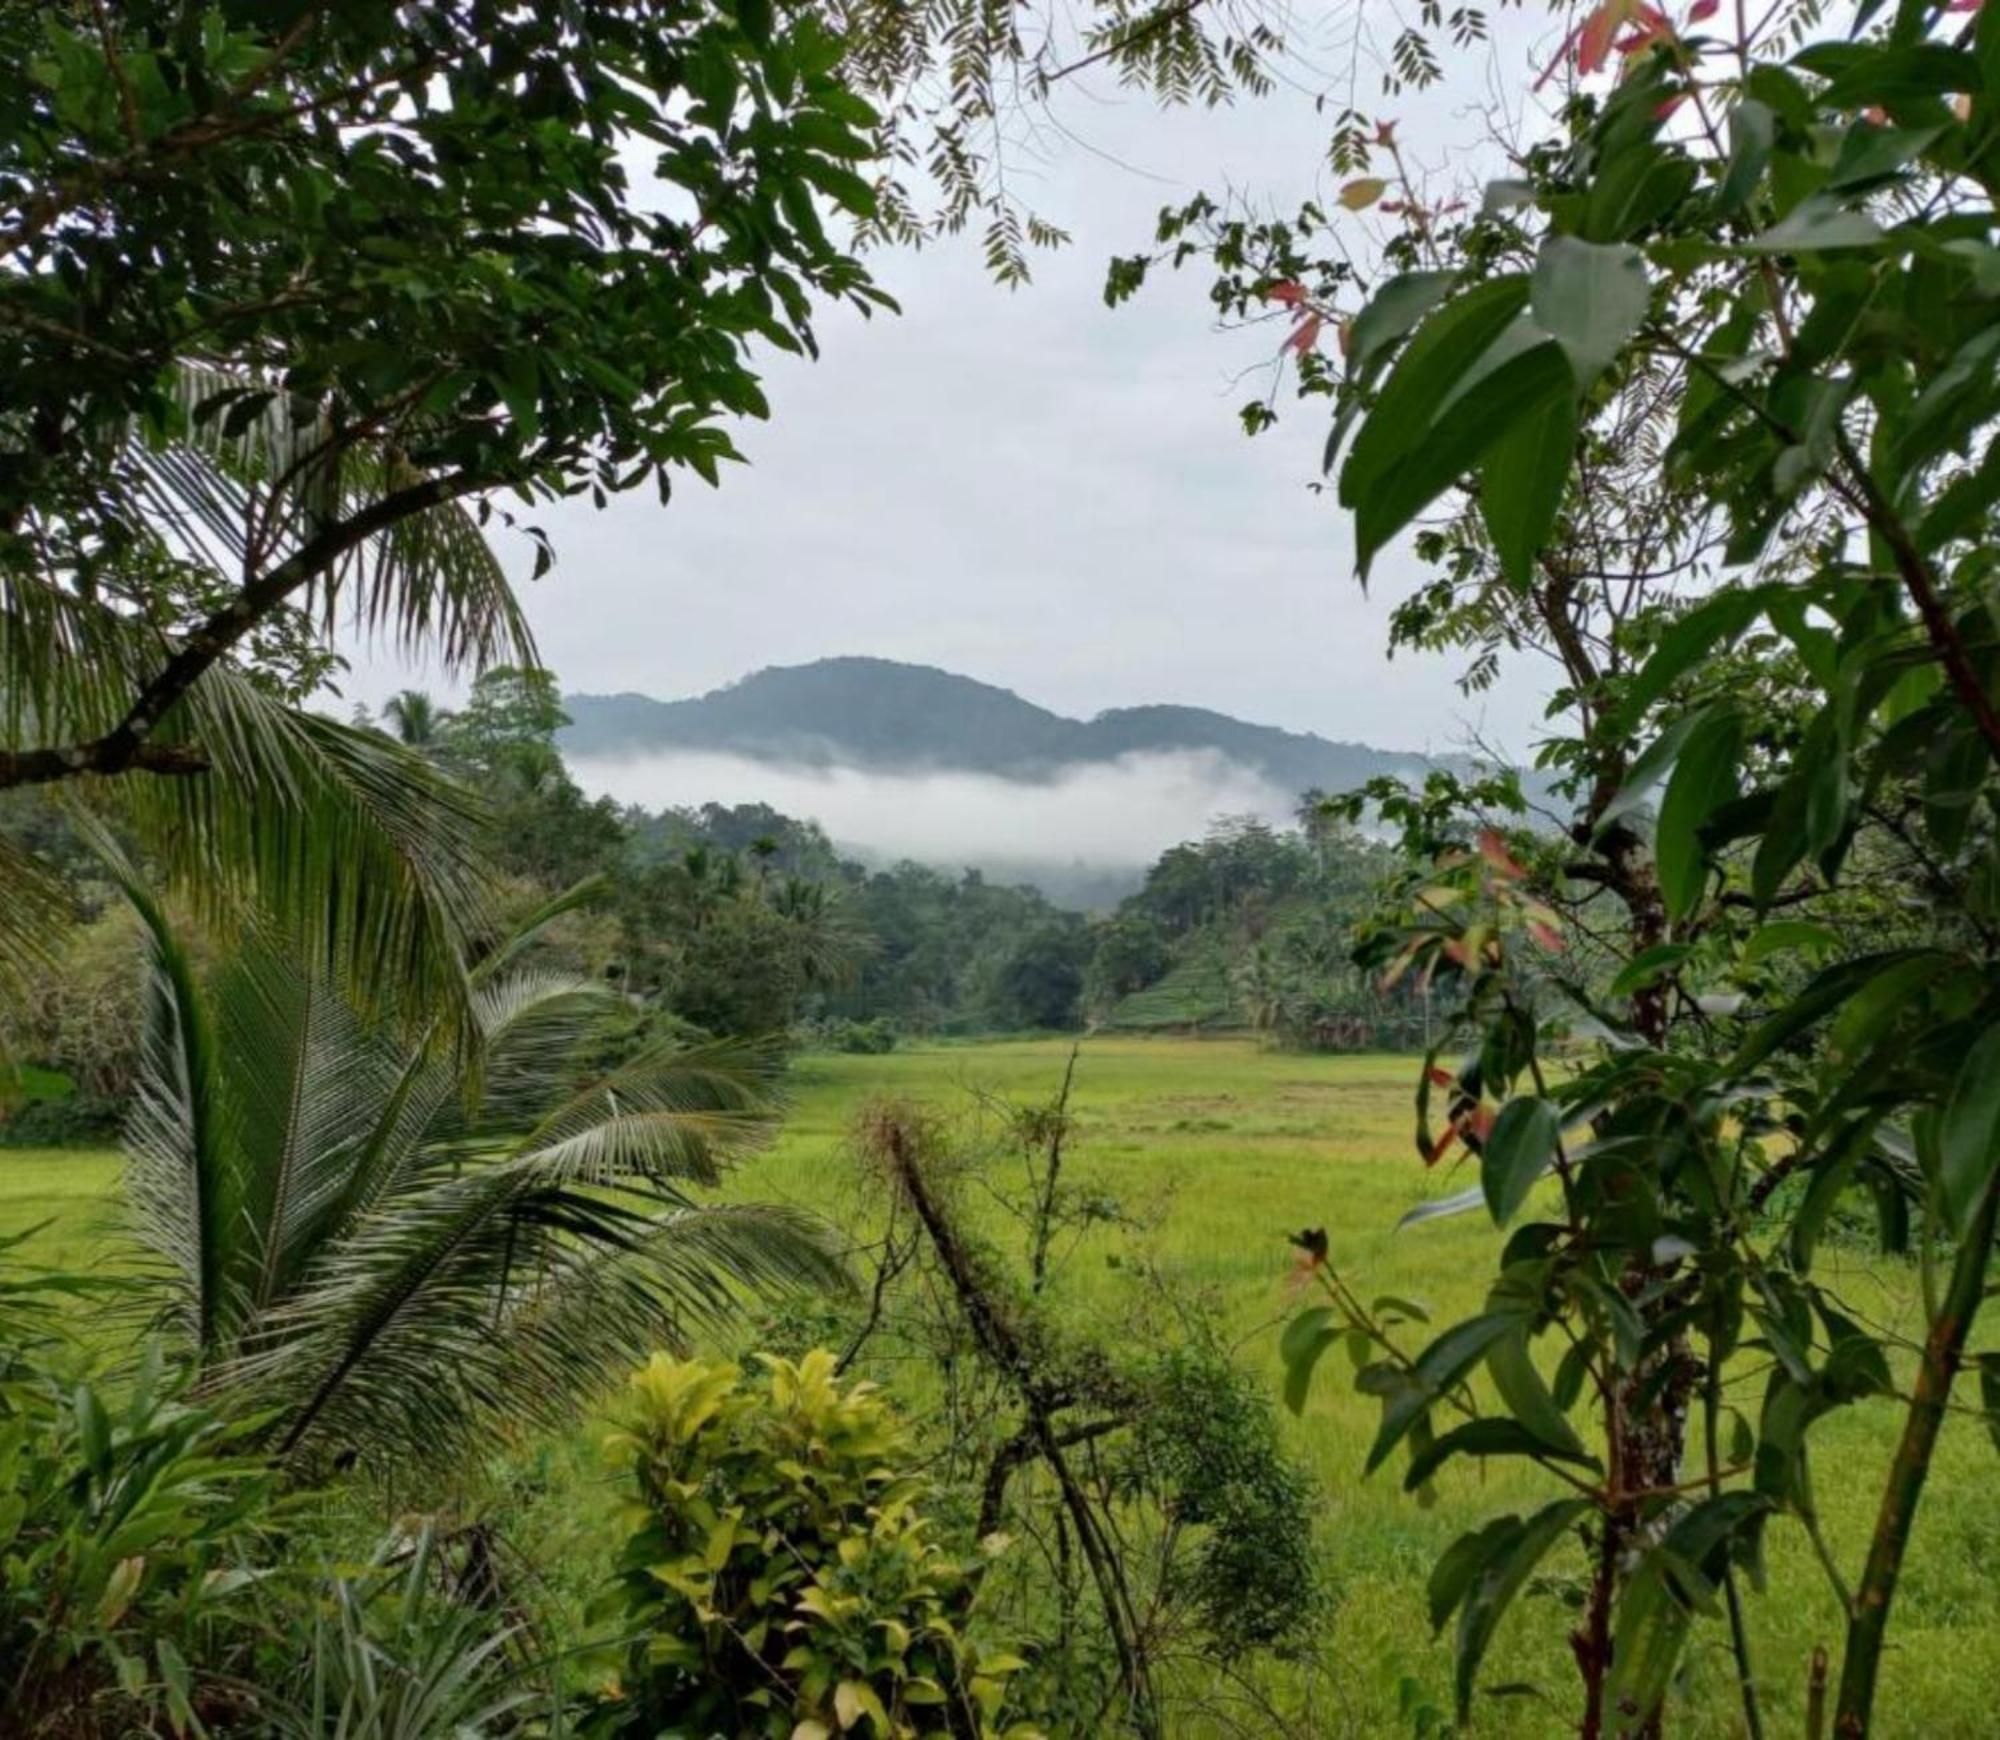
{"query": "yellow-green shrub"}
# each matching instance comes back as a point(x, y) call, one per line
point(780, 1579)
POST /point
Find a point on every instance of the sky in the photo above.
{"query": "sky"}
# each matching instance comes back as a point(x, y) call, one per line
point(1032, 489)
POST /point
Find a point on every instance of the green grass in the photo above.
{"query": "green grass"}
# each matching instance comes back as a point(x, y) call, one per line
point(1220, 1149)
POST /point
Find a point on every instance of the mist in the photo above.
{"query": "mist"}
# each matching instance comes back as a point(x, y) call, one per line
point(1108, 815)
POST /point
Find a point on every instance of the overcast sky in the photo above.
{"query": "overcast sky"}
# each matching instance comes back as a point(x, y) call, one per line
point(1032, 489)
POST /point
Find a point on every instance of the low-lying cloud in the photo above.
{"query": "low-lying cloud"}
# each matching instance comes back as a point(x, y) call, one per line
point(1101, 815)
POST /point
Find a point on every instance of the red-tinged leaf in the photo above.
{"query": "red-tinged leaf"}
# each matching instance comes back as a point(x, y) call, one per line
point(1479, 1122)
point(1963, 6)
point(1493, 849)
point(1385, 132)
point(1442, 1146)
point(1455, 950)
point(1703, 10)
point(1665, 111)
point(1441, 1077)
point(1305, 335)
point(1593, 41)
point(1362, 192)
point(1546, 937)
point(1290, 293)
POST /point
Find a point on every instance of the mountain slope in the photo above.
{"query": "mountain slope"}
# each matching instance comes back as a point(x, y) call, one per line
point(884, 715)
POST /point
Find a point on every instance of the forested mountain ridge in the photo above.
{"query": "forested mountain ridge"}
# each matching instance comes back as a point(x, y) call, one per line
point(883, 714)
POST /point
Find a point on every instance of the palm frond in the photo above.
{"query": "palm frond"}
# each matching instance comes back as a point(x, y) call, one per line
point(364, 853)
point(359, 1261)
point(244, 473)
point(182, 1184)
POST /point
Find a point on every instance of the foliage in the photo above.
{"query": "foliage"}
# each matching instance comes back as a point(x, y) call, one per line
point(782, 1578)
point(1701, 404)
point(393, 261)
point(373, 1245)
point(132, 1524)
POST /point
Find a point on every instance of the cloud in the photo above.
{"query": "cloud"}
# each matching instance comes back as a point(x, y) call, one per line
point(1108, 815)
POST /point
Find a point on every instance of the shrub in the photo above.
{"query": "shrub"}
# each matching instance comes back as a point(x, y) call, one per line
point(781, 1579)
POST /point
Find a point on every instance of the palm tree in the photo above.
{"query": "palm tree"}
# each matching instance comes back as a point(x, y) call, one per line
point(417, 718)
point(380, 1243)
point(125, 668)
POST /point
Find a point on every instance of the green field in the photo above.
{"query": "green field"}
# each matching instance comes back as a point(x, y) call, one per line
point(1218, 1149)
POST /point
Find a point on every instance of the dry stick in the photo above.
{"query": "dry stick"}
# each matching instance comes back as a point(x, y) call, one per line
point(998, 1340)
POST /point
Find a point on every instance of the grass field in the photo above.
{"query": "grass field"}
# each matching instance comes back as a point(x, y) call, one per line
point(1220, 1149)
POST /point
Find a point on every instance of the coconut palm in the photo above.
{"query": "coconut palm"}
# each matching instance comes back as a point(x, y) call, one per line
point(416, 717)
point(120, 663)
point(380, 1243)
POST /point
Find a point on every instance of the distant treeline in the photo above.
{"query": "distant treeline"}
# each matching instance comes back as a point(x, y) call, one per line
point(740, 920)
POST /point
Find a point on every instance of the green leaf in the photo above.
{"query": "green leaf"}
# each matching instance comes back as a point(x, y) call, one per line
point(1648, 968)
point(1590, 297)
point(1753, 128)
point(1443, 1207)
point(1521, 1148)
point(1704, 777)
point(1789, 933)
point(1714, 623)
point(1498, 1580)
point(1441, 1365)
point(1495, 1436)
point(1305, 1339)
point(1519, 388)
point(1969, 1133)
point(1443, 350)
point(1394, 309)
point(1869, 154)
point(1818, 224)
point(1821, 996)
point(1650, 768)
point(1521, 485)
point(1511, 1363)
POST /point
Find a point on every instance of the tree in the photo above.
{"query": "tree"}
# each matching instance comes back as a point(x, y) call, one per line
point(416, 718)
point(374, 1245)
point(1701, 403)
point(285, 296)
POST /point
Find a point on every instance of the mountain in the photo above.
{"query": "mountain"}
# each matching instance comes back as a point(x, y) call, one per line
point(891, 717)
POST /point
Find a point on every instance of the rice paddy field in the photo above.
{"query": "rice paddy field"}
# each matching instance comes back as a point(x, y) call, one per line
point(1215, 1150)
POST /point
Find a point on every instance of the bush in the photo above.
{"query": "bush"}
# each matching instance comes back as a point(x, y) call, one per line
point(862, 1038)
point(782, 1579)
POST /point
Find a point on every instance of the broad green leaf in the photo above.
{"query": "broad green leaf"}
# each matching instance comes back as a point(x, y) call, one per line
point(1648, 968)
point(1753, 128)
point(1521, 486)
point(1521, 1148)
point(1441, 1365)
point(1788, 933)
point(1650, 768)
point(1520, 388)
point(1590, 297)
point(1493, 1436)
point(1511, 1363)
point(1444, 348)
point(1821, 996)
point(1714, 623)
point(1498, 1581)
point(1305, 1339)
point(1818, 224)
point(1969, 1132)
point(1649, 1633)
point(1442, 1207)
point(1392, 311)
point(1704, 777)
point(1871, 153)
